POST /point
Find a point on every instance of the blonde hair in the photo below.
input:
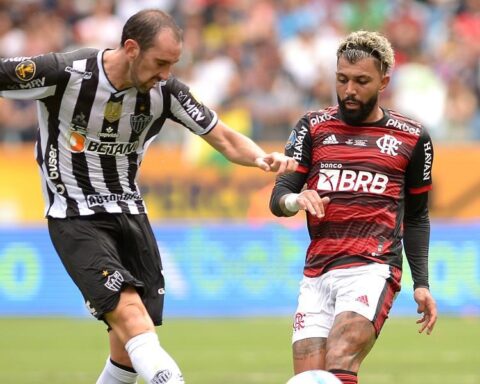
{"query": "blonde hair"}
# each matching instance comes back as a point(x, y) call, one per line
point(362, 44)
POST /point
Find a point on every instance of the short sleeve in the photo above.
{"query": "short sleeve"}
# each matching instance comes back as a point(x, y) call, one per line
point(419, 171)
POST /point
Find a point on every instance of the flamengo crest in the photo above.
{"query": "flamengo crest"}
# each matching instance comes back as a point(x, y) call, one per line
point(388, 145)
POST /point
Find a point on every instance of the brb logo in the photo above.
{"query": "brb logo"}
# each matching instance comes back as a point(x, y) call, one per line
point(345, 180)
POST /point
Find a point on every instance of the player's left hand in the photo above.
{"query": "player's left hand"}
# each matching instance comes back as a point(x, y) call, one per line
point(428, 307)
point(276, 162)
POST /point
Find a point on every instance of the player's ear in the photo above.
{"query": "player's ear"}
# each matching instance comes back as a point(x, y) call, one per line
point(385, 81)
point(132, 49)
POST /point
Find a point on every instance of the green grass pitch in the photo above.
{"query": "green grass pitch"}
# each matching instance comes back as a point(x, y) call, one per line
point(236, 351)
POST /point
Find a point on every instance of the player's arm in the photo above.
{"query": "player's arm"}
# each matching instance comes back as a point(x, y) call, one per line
point(288, 196)
point(242, 150)
point(28, 78)
point(417, 228)
point(185, 109)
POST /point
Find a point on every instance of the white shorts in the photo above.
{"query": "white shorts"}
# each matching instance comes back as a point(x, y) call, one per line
point(368, 290)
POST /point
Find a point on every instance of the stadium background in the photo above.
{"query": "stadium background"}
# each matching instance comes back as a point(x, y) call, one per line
point(260, 64)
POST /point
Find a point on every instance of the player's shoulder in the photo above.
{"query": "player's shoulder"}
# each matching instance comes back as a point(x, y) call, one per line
point(398, 121)
point(67, 58)
point(321, 116)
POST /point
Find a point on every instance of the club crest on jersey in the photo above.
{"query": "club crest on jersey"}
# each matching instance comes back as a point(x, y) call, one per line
point(113, 111)
point(140, 122)
point(26, 70)
point(389, 145)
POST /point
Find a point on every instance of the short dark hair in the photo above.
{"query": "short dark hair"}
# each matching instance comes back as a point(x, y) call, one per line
point(144, 26)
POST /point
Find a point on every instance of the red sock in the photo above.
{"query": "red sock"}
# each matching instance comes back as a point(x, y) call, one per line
point(346, 377)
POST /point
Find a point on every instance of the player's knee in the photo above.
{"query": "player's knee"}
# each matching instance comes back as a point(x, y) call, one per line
point(130, 318)
point(347, 356)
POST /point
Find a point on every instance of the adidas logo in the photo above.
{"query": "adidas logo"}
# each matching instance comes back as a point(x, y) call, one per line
point(330, 140)
point(363, 299)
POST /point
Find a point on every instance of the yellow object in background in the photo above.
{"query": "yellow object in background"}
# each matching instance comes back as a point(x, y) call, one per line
point(203, 187)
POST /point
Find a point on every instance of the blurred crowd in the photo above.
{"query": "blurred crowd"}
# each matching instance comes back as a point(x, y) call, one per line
point(262, 63)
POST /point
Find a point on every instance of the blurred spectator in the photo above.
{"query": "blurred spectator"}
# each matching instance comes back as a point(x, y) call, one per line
point(101, 29)
point(259, 62)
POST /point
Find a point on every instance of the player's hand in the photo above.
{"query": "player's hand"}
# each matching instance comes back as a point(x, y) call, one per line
point(276, 162)
point(428, 307)
point(309, 200)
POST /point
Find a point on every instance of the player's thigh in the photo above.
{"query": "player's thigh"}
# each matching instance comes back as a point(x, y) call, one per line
point(351, 338)
point(89, 250)
point(369, 290)
point(141, 256)
point(315, 310)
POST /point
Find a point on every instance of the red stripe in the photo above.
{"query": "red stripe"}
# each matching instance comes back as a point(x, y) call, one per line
point(345, 154)
point(386, 300)
point(341, 213)
point(417, 191)
point(302, 169)
point(343, 246)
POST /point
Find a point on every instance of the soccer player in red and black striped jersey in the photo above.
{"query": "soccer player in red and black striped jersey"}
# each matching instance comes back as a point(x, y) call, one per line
point(98, 113)
point(363, 179)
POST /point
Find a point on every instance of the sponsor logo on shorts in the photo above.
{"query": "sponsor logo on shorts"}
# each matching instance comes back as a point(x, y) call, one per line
point(299, 321)
point(114, 281)
point(97, 200)
point(363, 299)
point(161, 377)
point(25, 70)
point(91, 309)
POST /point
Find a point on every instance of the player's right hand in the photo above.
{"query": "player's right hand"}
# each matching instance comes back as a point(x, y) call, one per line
point(310, 201)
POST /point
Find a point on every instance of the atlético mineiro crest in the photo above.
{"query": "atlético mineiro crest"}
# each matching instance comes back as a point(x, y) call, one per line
point(114, 281)
point(140, 122)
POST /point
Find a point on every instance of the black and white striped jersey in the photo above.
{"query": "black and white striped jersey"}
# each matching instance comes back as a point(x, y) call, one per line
point(92, 137)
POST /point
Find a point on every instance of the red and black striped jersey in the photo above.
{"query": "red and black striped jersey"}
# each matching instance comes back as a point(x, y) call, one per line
point(366, 171)
point(92, 137)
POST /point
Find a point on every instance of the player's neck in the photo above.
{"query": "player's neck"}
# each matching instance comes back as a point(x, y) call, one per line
point(376, 115)
point(116, 68)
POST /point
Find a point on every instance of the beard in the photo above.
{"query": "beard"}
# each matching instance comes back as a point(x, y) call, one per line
point(140, 87)
point(359, 115)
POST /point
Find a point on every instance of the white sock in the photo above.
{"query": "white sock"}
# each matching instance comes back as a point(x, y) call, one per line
point(115, 375)
point(151, 361)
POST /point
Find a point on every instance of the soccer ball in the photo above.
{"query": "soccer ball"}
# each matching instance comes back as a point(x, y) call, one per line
point(314, 377)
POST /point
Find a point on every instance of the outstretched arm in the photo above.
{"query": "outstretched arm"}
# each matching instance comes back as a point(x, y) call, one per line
point(242, 150)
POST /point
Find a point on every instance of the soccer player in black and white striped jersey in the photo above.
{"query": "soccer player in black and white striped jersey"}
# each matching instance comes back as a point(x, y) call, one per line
point(98, 112)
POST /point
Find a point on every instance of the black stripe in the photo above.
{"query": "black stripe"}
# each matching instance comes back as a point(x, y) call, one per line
point(83, 107)
point(109, 162)
point(52, 104)
point(142, 106)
